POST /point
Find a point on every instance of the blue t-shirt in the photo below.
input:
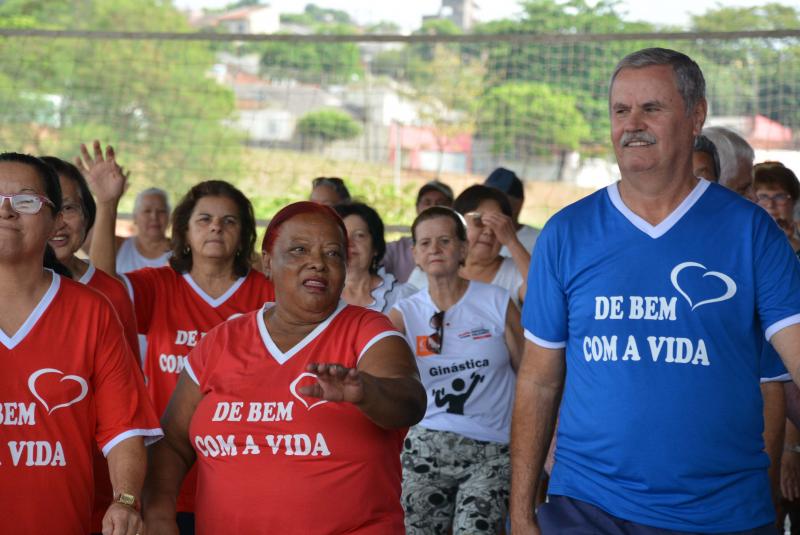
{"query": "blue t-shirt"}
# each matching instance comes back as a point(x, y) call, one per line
point(661, 416)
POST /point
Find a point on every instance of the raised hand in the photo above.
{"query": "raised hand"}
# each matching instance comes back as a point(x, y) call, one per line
point(335, 383)
point(501, 225)
point(106, 178)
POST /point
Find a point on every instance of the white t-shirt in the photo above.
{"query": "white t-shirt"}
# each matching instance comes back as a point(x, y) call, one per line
point(527, 235)
point(470, 385)
point(130, 259)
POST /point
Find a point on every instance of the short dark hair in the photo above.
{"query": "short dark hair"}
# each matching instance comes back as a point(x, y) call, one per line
point(374, 224)
point(777, 175)
point(66, 169)
point(473, 196)
point(441, 211)
point(688, 76)
point(703, 144)
point(181, 258)
point(334, 182)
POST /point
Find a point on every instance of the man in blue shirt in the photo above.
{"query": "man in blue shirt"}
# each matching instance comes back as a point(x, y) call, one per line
point(648, 304)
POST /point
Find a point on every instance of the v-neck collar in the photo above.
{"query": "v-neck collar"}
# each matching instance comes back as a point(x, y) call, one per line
point(87, 277)
point(656, 231)
point(273, 350)
point(214, 303)
point(33, 317)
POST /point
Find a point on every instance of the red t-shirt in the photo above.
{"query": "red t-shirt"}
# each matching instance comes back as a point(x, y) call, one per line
point(115, 292)
point(175, 314)
point(67, 380)
point(273, 461)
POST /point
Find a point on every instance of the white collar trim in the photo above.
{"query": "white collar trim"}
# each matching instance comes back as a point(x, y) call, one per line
point(656, 231)
point(214, 303)
point(36, 313)
point(87, 277)
point(273, 350)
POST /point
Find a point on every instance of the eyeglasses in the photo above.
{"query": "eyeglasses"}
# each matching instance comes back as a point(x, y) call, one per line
point(779, 198)
point(436, 340)
point(26, 203)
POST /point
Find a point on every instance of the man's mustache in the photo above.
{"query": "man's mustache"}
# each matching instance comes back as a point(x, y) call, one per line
point(630, 137)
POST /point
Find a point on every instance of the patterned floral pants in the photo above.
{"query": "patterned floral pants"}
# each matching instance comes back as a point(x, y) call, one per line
point(451, 480)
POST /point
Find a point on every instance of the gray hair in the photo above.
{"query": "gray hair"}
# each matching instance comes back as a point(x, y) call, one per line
point(137, 203)
point(688, 76)
point(732, 149)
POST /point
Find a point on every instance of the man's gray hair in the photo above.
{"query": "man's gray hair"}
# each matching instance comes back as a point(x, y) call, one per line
point(137, 203)
point(732, 149)
point(688, 76)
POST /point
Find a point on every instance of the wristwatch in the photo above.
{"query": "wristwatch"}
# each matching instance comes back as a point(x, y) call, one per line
point(126, 499)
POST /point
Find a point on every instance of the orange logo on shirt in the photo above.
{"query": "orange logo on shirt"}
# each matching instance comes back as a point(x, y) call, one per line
point(423, 348)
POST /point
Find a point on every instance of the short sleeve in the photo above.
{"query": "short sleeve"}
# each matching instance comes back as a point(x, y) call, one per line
point(372, 328)
point(143, 287)
point(771, 366)
point(544, 311)
point(777, 277)
point(122, 404)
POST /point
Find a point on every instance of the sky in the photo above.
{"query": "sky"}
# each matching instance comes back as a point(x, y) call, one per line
point(673, 12)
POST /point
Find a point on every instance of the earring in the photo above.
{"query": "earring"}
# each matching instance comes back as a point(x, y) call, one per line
point(186, 250)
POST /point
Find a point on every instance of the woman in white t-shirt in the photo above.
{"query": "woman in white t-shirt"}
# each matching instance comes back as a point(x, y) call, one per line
point(467, 340)
point(489, 228)
point(368, 284)
point(150, 246)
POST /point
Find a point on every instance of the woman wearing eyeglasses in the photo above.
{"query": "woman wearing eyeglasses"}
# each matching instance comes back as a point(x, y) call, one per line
point(294, 413)
point(77, 217)
point(467, 339)
point(67, 376)
point(209, 280)
point(776, 189)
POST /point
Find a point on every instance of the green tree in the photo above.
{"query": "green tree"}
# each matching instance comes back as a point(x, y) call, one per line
point(579, 69)
point(524, 119)
point(751, 76)
point(152, 99)
point(325, 126)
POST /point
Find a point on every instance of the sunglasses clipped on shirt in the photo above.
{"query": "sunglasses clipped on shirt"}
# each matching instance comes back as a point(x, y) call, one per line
point(26, 203)
point(435, 341)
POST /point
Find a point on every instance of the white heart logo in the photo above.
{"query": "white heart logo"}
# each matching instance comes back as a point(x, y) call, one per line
point(730, 286)
point(293, 390)
point(38, 373)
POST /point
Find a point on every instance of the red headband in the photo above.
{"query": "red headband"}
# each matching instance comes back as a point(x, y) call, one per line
point(295, 209)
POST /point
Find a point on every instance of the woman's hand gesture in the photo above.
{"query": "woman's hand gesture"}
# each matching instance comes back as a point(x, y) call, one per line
point(106, 178)
point(335, 383)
